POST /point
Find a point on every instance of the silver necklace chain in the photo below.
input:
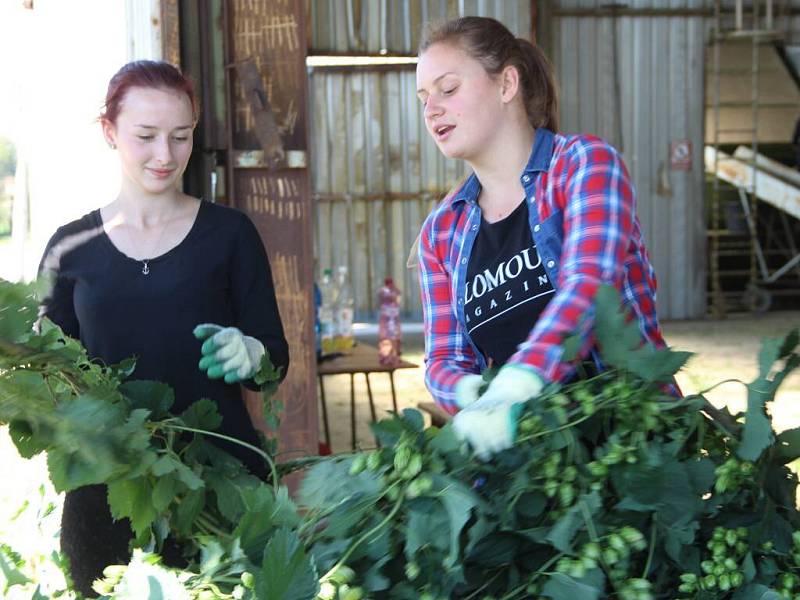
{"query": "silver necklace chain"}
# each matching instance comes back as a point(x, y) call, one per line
point(146, 261)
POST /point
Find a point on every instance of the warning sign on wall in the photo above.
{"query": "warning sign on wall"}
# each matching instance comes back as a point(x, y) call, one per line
point(680, 155)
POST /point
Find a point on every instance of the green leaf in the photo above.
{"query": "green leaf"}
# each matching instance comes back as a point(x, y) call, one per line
point(495, 549)
point(229, 490)
point(788, 445)
point(678, 536)
point(427, 524)
point(133, 498)
point(188, 477)
point(620, 341)
point(701, 474)
point(756, 591)
point(203, 414)
point(165, 464)
point(658, 483)
point(329, 482)
point(571, 344)
point(349, 515)
point(154, 396)
point(563, 532)
point(563, 587)
point(164, 492)
point(267, 373)
point(749, 567)
point(459, 502)
point(657, 364)
point(189, 507)
point(769, 354)
point(287, 573)
point(414, 419)
point(265, 510)
point(445, 441)
point(11, 574)
point(758, 433)
point(25, 439)
point(18, 311)
point(789, 343)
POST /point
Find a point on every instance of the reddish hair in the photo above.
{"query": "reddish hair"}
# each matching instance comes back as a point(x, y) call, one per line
point(146, 74)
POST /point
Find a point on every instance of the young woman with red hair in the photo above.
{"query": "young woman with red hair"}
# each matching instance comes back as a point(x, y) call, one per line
point(183, 285)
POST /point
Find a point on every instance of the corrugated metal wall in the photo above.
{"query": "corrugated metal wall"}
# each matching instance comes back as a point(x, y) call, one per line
point(393, 26)
point(375, 171)
point(637, 81)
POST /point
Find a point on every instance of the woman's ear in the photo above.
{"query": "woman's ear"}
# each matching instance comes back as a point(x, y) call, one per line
point(110, 134)
point(509, 79)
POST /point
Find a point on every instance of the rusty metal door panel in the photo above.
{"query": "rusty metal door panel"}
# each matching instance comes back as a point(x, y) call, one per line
point(267, 95)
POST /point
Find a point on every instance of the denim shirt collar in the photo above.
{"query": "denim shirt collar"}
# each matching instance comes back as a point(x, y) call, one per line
point(539, 160)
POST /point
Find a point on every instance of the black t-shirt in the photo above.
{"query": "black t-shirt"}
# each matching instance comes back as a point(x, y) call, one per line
point(507, 286)
point(219, 273)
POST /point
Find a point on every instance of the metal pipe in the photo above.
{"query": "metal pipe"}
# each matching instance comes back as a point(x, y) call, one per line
point(649, 12)
point(384, 46)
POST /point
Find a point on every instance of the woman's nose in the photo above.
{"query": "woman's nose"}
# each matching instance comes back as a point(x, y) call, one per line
point(164, 151)
point(432, 108)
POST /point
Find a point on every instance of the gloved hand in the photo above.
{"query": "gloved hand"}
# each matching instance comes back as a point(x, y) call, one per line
point(489, 423)
point(228, 353)
point(467, 390)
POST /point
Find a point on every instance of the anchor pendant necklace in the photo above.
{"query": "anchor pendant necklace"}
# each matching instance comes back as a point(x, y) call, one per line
point(146, 261)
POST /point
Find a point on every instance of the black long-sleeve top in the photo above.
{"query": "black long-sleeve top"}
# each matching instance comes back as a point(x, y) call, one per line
point(219, 273)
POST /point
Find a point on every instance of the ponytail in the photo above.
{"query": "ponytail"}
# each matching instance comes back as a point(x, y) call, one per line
point(539, 86)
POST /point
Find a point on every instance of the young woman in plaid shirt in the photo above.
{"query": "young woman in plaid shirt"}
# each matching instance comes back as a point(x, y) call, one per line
point(511, 259)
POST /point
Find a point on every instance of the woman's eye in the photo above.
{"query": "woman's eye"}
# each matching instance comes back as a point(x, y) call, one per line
point(145, 138)
point(180, 139)
point(450, 91)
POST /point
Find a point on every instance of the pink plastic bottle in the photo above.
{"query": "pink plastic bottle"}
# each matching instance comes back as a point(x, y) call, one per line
point(389, 334)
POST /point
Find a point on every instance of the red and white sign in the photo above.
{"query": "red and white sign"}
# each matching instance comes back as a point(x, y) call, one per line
point(680, 155)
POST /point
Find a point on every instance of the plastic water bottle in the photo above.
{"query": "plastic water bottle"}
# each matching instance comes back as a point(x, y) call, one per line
point(327, 322)
point(389, 334)
point(345, 302)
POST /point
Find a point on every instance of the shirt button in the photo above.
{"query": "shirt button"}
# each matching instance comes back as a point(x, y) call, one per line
point(474, 227)
point(460, 301)
point(526, 178)
point(532, 198)
point(463, 261)
point(536, 228)
point(551, 264)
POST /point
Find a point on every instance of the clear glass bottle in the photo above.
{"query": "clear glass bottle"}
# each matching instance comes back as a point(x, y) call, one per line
point(345, 304)
point(327, 320)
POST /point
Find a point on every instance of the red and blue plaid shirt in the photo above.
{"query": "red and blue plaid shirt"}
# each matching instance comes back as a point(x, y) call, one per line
point(583, 222)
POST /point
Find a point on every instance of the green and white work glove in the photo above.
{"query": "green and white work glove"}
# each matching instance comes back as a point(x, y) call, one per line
point(228, 353)
point(489, 423)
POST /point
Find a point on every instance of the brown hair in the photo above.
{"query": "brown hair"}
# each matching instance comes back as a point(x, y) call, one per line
point(489, 42)
point(147, 74)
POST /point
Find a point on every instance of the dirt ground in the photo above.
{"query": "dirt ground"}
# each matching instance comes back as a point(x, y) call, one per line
point(723, 349)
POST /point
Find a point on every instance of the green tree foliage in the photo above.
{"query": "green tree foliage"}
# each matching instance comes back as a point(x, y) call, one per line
point(8, 157)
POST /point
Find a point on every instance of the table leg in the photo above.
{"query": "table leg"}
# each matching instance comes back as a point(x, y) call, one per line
point(394, 396)
point(324, 412)
point(353, 410)
point(369, 395)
